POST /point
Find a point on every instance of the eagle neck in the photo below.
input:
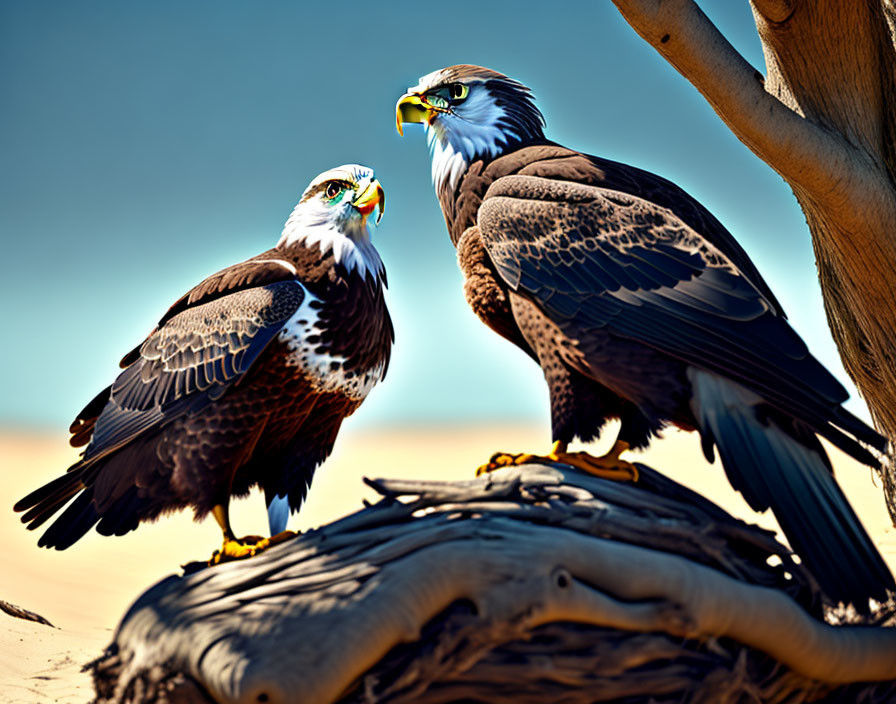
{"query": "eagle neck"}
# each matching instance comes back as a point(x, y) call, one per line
point(348, 242)
point(460, 202)
point(319, 270)
point(454, 151)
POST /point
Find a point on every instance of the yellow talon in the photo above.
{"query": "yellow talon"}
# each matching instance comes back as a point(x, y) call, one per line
point(240, 548)
point(234, 549)
point(505, 459)
point(608, 466)
point(281, 537)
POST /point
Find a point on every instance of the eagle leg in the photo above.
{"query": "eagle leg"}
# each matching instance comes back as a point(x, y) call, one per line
point(240, 548)
point(608, 466)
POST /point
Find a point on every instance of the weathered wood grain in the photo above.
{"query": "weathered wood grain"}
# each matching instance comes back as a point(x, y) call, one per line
point(531, 584)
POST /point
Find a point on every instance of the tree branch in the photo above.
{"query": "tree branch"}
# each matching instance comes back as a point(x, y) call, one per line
point(810, 157)
point(774, 10)
point(340, 613)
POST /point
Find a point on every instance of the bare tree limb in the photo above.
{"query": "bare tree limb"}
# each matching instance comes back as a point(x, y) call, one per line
point(774, 10)
point(441, 591)
point(806, 154)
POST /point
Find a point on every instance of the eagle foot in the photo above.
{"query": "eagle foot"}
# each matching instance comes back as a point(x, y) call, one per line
point(247, 546)
point(506, 459)
point(608, 466)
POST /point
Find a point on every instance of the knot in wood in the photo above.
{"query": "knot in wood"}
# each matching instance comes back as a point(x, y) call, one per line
point(561, 578)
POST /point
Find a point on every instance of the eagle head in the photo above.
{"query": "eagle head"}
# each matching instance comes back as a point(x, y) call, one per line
point(469, 113)
point(333, 213)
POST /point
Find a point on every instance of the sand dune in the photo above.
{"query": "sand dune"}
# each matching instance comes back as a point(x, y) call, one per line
point(85, 590)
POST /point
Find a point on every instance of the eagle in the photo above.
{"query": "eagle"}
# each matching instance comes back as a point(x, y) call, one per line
point(244, 382)
point(640, 306)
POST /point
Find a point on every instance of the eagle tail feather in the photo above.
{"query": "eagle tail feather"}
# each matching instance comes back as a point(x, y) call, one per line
point(78, 518)
point(790, 473)
point(866, 436)
point(123, 516)
point(80, 515)
point(46, 500)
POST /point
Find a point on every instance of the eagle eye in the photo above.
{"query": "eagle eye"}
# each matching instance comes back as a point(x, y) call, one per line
point(334, 188)
point(437, 101)
point(458, 91)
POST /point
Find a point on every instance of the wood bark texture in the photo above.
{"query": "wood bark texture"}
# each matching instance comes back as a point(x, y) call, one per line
point(532, 584)
point(824, 117)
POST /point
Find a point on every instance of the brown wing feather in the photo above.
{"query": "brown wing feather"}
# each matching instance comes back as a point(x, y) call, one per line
point(192, 359)
point(82, 426)
point(266, 268)
point(551, 161)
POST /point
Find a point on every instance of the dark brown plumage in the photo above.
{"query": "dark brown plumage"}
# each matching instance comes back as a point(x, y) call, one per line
point(639, 305)
point(245, 381)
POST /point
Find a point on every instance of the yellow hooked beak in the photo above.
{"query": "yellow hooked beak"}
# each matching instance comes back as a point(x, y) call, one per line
point(370, 198)
point(411, 107)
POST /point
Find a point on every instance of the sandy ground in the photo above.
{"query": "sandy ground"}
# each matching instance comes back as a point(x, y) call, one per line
point(85, 590)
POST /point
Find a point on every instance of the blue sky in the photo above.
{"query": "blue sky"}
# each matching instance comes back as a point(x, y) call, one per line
point(147, 145)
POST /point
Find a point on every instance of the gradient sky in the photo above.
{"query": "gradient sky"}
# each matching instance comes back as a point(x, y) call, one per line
point(147, 145)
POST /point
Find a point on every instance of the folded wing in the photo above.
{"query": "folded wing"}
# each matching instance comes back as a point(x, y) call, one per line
point(594, 259)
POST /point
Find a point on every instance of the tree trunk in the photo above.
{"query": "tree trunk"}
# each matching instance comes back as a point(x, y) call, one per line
point(533, 584)
point(824, 117)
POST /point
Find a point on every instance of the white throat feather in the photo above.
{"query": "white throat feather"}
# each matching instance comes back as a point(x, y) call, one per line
point(348, 239)
point(456, 139)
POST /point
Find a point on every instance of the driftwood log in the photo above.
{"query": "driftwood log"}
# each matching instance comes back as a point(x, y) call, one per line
point(532, 584)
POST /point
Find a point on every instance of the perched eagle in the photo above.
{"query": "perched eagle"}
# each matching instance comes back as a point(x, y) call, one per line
point(244, 381)
point(639, 305)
